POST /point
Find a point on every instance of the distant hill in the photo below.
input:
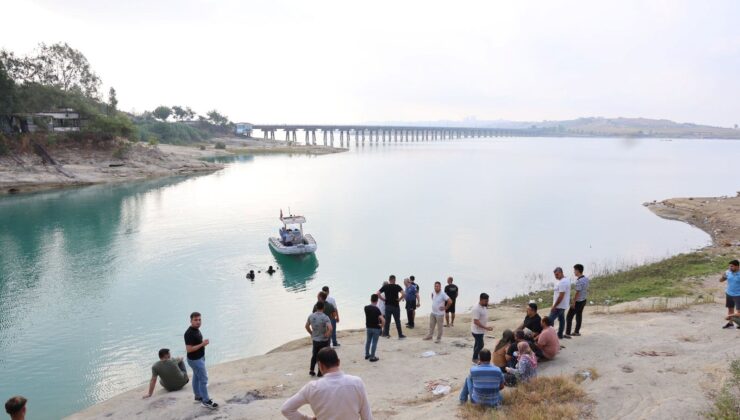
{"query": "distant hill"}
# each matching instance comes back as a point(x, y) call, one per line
point(597, 126)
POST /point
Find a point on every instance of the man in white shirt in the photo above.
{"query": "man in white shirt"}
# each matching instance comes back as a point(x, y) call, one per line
point(560, 301)
point(334, 321)
point(440, 303)
point(336, 396)
point(479, 324)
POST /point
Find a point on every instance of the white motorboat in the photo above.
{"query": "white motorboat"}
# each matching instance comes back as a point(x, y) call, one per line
point(292, 241)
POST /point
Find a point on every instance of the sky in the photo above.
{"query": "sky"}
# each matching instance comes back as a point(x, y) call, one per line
point(282, 61)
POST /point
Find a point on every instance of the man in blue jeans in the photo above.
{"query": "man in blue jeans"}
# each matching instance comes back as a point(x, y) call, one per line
point(195, 346)
point(560, 301)
point(484, 383)
point(374, 321)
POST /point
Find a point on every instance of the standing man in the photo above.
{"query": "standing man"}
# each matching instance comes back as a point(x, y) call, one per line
point(393, 294)
point(411, 294)
point(336, 397)
point(560, 300)
point(195, 346)
point(318, 326)
point(451, 292)
point(329, 309)
point(16, 407)
point(374, 325)
point(732, 277)
point(171, 372)
point(579, 301)
point(440, 303)
point(335, 320)
point(479, 326)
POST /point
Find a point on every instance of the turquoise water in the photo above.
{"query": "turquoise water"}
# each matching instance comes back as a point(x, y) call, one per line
point(95, 280)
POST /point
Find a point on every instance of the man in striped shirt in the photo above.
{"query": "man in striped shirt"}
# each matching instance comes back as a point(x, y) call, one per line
point(484, 382)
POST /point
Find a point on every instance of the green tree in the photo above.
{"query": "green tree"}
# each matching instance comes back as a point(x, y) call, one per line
point(112, 101)
point(57, 65)
point(215, 118)
point(7, 92)
point(162, 112)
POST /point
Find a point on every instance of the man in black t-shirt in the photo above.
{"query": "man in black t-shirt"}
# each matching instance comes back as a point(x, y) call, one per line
point(374, 321)
point(393, 294)
point(532, 320)
point(195, 346)
point(451, 291)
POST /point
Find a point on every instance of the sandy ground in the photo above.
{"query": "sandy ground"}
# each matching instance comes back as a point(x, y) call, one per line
point(651, 365)
point(26, 173)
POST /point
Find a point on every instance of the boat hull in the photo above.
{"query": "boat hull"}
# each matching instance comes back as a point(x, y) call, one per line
point(307, 248)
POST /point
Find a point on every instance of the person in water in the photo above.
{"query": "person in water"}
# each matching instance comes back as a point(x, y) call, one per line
point(250, 275)
point(270, 270)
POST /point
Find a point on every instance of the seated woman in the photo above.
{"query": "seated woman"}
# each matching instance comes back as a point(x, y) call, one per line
point(526, 367)
point(499, 352)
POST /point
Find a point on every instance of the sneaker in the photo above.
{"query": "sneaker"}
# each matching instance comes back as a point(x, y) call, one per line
point(728, 325)
point(437, 341)
point(374, 359)
point(320, 374)
point(411, 327)
point(198, 399)
point(575, 335)
point(386, 336)
point(401, 337)
point(367, 357)
point(312, 373)
point(427, 338)
point(336, 345)
point(567, 336)
point(209, 404)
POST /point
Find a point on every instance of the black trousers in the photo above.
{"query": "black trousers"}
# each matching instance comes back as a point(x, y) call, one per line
point(317, 345)
point(576, 311)
point(395, 312)
point(410, 312)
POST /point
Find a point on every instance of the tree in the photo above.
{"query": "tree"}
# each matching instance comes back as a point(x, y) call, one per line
point(57, 65)
point(215, 118)
point(112, 101)
point(162, 112)
point(7, 92)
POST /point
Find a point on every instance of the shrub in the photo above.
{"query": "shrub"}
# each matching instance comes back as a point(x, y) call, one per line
point(122, 150)
point(220, 145)
point(202, 147)
point(153, 141)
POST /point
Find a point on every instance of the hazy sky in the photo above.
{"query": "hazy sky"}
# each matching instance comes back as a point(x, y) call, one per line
point(344, 61)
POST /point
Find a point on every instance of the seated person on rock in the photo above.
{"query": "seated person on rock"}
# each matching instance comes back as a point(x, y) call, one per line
point(499, 352)
point(548, 340)
point(484, 383)
point(532, 320)
point(526, 367)
point(171, 372)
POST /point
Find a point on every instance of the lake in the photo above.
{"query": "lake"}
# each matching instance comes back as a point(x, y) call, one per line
point(95, 280)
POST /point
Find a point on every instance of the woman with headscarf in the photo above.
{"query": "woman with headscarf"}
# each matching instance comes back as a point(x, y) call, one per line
point(526, 367)
point(499, 352)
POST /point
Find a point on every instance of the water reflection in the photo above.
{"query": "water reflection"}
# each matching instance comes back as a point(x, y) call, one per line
point(297, 270)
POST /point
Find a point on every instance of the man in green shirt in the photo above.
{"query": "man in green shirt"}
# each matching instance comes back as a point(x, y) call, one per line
point(171, 372)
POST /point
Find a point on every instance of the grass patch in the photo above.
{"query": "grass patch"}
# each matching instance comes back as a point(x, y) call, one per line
point(665, 278)
point(542, 398)
point(727, 401)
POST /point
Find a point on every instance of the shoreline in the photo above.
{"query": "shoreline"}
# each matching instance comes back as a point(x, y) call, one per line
point(646, 367)
point(79, 167)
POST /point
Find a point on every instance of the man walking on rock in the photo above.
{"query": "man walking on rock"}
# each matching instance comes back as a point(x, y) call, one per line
point(479, 325)
point(195, 346)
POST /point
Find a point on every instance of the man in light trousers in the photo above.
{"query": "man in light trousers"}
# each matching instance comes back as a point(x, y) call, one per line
point(440, 303)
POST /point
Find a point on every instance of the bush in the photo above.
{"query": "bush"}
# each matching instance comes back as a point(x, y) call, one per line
point(122, 150)
point(153, 141)
point(202, 147)
point(172, 133)
point(220, 145)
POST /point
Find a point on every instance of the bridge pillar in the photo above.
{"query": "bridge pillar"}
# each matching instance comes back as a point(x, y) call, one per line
point(313, 136)
point(331, 137)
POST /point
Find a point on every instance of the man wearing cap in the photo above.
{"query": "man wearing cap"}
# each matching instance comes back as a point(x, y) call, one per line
point(171, 373)
point(560, 301)
point(732, 277)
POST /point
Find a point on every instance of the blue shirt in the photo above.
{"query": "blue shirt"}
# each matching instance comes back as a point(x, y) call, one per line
point(733, 283)
point(582, 287)
point(487, 380)
point(411, 293)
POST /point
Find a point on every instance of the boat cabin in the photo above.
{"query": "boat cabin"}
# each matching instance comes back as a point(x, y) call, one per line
point(292, 231)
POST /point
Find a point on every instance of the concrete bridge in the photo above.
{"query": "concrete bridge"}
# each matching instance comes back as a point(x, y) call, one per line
point(381, 133)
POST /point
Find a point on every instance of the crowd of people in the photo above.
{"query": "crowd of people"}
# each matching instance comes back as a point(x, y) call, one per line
point(514, 359)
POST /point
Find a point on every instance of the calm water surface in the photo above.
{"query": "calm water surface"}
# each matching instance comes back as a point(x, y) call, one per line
point(93, 281)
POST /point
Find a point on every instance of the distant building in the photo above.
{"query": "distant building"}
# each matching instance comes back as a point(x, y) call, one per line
point(243, 129)
point(58, 120)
